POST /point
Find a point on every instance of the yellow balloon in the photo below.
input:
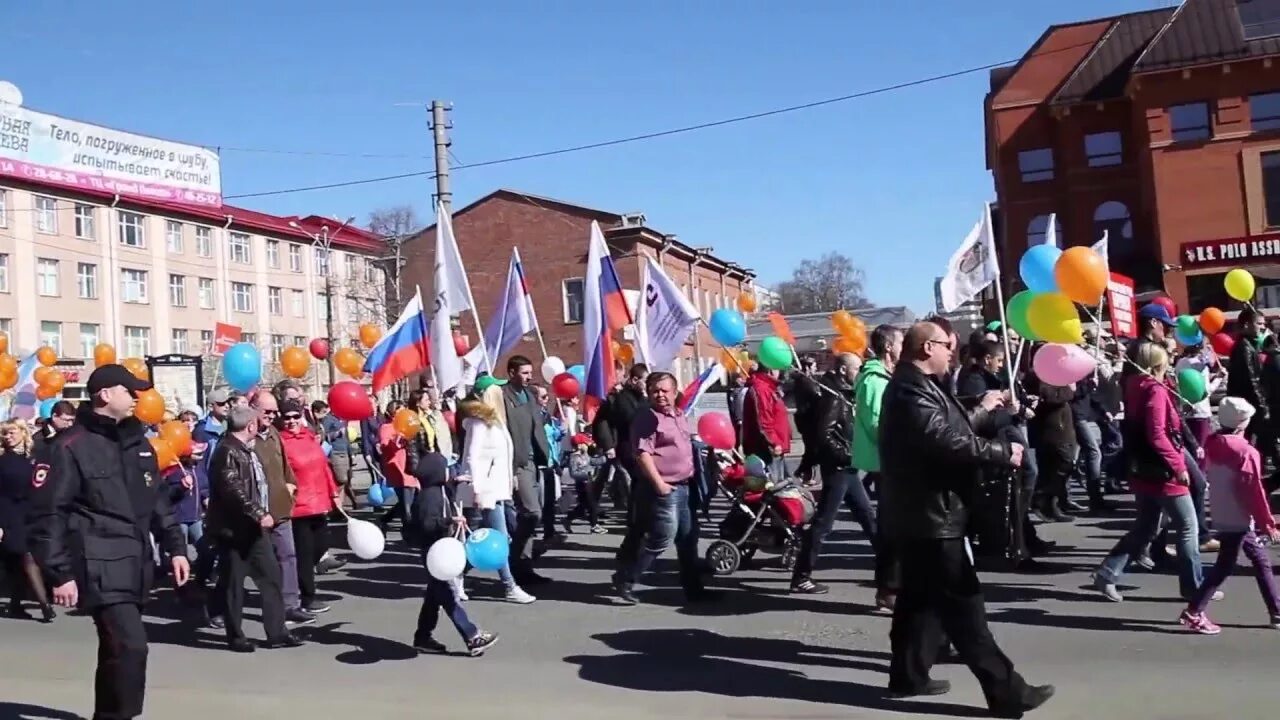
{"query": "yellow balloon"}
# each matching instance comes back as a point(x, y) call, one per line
point(1240, 285)
point(1053, 318)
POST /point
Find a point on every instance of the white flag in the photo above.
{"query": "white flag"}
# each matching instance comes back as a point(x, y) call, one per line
point(452, 296)
point(665, 319)
point(1051, 230)
point(512, 319)
point(1101, 248)
point(972, 268)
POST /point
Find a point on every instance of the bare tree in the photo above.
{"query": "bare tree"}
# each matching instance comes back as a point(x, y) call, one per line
point(395, 225)
point(397, 221)
point(830, 283)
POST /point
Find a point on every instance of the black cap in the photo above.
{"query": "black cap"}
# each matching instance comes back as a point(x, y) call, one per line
point(292, 407)
point(109, 376)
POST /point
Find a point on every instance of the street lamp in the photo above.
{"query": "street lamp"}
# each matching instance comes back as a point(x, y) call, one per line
point(323, 242)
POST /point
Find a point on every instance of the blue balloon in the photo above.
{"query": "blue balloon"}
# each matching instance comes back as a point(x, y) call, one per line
point(242, 366)
point(580, 373)
point(728, 327)
point(1190, 340)
point(375, 495)
point(1036, 268)
point(487, 549)
point(46, 408)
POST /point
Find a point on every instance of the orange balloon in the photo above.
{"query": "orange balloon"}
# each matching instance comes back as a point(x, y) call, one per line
point(138, 367)
point(9, 362)
point(46, 356)
point(348, 361)
point(294, 361)
point(846, 344)
point(44, 392)
point(1081, 274)
point(176, 434)
point(55, 381)
point(104, 354)
point(746, 302)
point(150, 407)
point(41, 374)
point(730, 361)
point(1212, 321)
point(4, 343)
point(8, 378)
point(406, 422)
point(626, 353)
point(370, 334)
point(166, 456)
point(842, 321)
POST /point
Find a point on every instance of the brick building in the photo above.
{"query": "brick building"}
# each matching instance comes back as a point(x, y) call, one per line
point(1161, 128)
point(552, 238)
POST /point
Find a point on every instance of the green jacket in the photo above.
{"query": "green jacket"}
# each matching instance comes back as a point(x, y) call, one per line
point(868, 391)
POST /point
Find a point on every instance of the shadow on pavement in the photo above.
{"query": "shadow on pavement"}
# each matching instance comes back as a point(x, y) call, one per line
point(20, 711)
point(366, 649)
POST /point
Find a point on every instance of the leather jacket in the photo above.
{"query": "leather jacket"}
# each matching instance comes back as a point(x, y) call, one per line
point(931, 458)
point(1244, 377)
point(833, 421)
point(236, 505)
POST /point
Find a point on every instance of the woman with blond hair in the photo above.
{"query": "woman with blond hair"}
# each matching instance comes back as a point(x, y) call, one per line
point(16, 481)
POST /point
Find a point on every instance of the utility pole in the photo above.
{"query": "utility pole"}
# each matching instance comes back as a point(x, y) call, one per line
point(440, 131)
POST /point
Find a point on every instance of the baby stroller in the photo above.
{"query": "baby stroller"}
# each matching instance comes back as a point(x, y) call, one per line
point(765, 515)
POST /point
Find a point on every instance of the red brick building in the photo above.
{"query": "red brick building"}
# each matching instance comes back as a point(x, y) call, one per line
point(552, 238)
point(1161, 128)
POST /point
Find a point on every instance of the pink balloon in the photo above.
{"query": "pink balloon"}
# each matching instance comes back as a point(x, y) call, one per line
point(716, 430)
point(1058, 364)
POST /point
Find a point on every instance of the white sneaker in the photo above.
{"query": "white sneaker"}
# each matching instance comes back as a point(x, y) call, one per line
point(519, 596)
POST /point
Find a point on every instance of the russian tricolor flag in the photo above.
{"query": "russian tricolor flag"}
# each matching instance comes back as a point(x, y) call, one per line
point(699, 387)
point(606, 312)
point(403, 351)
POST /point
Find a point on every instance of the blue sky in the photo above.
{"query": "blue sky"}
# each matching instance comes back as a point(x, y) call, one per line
point(895, 180)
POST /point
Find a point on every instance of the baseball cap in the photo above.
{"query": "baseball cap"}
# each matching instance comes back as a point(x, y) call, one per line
point(292, 407)
point(1234, 412)
point(484, 382)
point(109, 376)
point(217, 397)
point(1153, 311)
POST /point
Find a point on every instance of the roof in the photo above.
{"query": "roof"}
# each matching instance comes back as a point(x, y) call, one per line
point(807, 325)
point(1046, 65)
point(1203, 31)
point(1103, 74)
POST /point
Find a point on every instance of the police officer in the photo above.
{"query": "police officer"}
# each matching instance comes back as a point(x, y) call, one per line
point(98, 497)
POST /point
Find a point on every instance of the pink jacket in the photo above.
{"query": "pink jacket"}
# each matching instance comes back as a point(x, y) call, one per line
point(1151, 403)
point(1234, 470)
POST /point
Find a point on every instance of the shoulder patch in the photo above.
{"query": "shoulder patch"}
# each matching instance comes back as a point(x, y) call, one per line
point(39, 475)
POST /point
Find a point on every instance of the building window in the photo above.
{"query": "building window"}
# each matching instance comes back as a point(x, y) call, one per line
point(350, 261)
point(1189, 122)
point(1259, 18)
point(251, 338)
point(88, 339)
point(295, 257)
point(1112, 218)
point(46, 215)
point(371, 271)
point(178, 341)
point(273, 253)
point(133, 286)
point(1036, 165)
point(204, 242)
point(277, 347)
point(173, 236)
point(322, 307)
point(132, 229)
point(178, 290)
point(206, 341)
point(137, 341)
point(6, 327)
point(275, 301)
point(51, 335)
point(574, 297)
point(300, 340)
point(322, 262)
point(4, 208)
point(1103, 149)
point(47, 277)
point(87, 280)
point(4, 272)
point(1264, 111)
point(205, 290)
point(1038, 229)
point(242, 297)
point(1271, 186)
point(299, 302)
point(84, 222)
point(238, 246)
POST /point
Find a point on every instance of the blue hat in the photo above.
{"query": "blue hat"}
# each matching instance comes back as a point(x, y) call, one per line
point(1152, 311)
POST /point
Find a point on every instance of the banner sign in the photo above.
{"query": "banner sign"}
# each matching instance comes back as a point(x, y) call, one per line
point(1120, 305)
point(180, 381)
point(44, 148)
point(1231, 252)
point(224, 336)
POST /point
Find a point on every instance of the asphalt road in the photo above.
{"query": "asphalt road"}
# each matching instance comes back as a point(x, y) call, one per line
point(762, 653)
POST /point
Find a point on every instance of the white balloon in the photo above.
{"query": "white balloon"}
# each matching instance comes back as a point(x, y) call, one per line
point(446, 559)
point(551, 367)
point(365, 539)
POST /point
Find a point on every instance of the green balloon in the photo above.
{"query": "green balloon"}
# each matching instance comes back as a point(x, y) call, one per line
point(1016, 314)
point(1188, 325)
point(774, 353)
point(1191, 385)
point(993, 326)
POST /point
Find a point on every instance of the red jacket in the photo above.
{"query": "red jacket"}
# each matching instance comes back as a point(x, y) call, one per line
point(1151, 404)
point(316, 486)
point(766, 422)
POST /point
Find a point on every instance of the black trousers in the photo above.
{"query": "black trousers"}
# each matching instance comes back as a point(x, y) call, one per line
point(1055, 464)
point(941, 593)
point(120, 683)
point(252, 557)
point(311, 540)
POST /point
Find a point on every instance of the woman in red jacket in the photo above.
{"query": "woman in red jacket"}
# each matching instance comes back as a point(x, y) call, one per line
point(394, 451)
point(766, 423)
point(314, 500)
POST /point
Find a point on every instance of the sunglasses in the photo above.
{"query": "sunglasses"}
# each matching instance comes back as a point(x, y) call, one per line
point(270, 412)
point(222, 404)
point(292, 418)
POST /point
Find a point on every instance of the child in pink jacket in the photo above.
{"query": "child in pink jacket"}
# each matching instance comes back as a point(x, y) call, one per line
point(1240, 508)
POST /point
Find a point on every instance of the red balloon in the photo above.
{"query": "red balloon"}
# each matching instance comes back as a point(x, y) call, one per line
point(565, 386)
point(716, 430)
point(1222, 343)
point(460, 345)
point(349, 401)
point(319, 349)
point(1166, 302)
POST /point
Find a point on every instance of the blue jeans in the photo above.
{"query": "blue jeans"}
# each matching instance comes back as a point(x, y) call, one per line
point(438, 596)
point(495, 518)
point(1089, 438)
point(839, 485)
point(666, 519)
point(1182, 515)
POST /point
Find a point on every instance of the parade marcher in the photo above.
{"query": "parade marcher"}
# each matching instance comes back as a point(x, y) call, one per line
point(1053, 434)
point(16, 465)
point(333, 430)
point(930, 458)
point(209, 429)
point(529, 452)
point(612, 432)
point(61, 418)
point(96, 501)
point(885, 345)
point(393, 448)
point(550, 473)
point(240, 517)
point(766, 423)
point(317, 495)
point(667, 499)
point(582, 470)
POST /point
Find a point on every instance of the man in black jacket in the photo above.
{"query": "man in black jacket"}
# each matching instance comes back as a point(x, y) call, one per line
point(98, 496)
point(931, 459)
point(1244, 380)
point(612, 432)
point(832, 435)
point(530, 449)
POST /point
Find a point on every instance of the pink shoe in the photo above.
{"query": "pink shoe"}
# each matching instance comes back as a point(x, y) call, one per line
point(1199, 623)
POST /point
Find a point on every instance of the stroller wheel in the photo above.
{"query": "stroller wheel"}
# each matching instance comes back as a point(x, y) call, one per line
point(790, 554)
point(723, 557)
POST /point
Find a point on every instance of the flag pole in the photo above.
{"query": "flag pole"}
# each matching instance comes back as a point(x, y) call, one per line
point(537, 326)
point(1004, 322)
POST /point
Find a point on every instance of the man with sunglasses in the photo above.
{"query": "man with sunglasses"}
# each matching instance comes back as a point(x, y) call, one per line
point(209, 429)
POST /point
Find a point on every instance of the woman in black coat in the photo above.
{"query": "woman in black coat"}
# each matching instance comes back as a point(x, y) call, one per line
point(16, 479)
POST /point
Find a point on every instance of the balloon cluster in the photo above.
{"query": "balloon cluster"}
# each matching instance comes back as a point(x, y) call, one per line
point(1056, 280)
point(173, 441)
point(49, 382)
point(852, 333)
point(729, 328)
